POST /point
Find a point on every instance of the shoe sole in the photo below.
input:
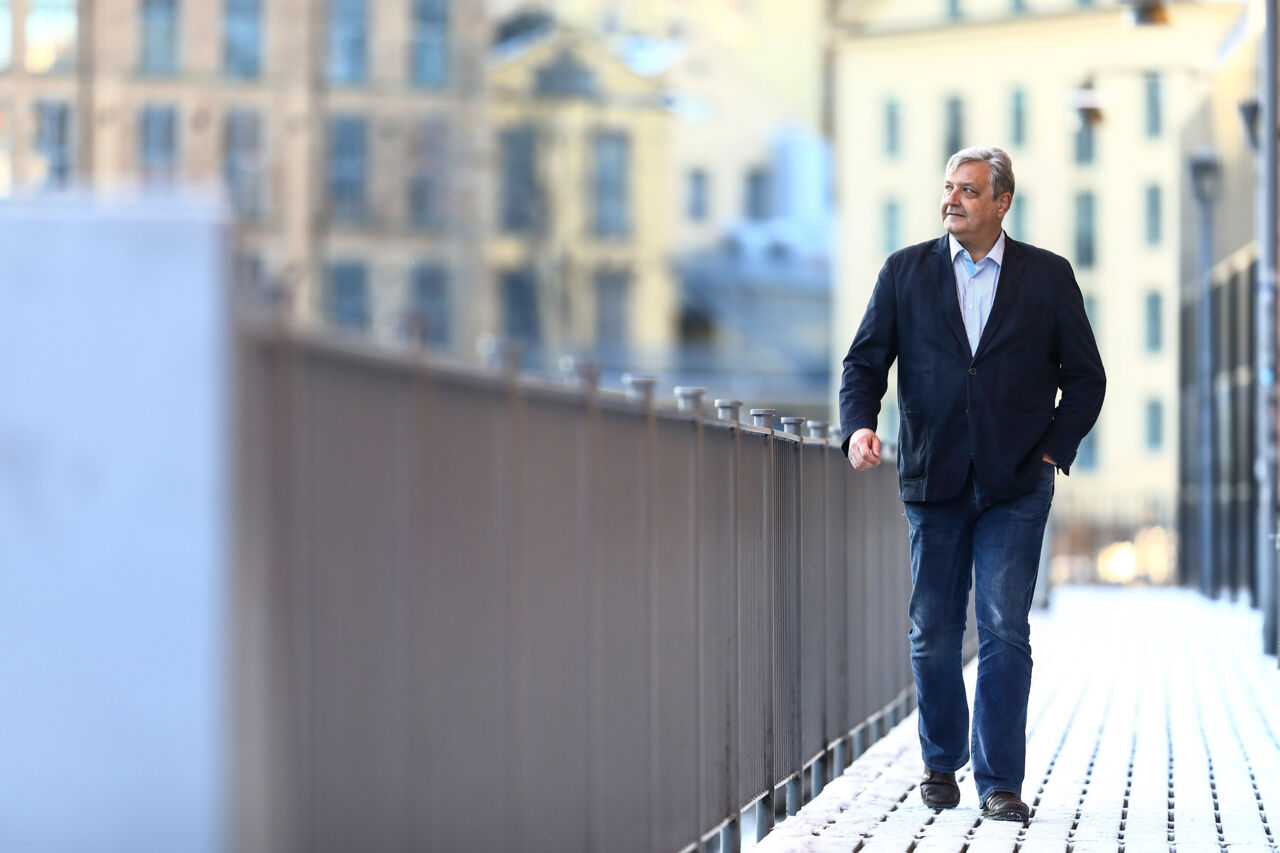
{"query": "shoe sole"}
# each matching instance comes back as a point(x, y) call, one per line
point(1006, 815)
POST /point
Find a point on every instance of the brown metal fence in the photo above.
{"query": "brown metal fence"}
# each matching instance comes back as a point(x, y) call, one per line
point(481, 613)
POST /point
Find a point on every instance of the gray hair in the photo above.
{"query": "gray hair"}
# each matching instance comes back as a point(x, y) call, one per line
point(999, 166)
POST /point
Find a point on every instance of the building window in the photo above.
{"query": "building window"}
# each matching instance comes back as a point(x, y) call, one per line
point(1018, 6)
point(1017, 218)
point(429, 47)
point(242, 162)
point(697, 207)
point(158, 145)
point(612, 287)
point(430, 306)
point(429, 174)
point(51, 35)
point(1154, 98)
point(242, 38)
point(520, 301)
point(53, 143)
point(1085, 243)
point(756, 195)
point(1091, 311)
point(159, 36)
point(1153, 215)
point(1154, 322)
point(611, 172)
point(1087, 456)
point(348, 38)
point(6, 34)
point(892, 226)
point(892, 140)
point(521, 202)
point(1018, 117)
point(1155, 425)
point(1084, 142)
point(953, 10)
point(348, 297)
point(954, 134)
point(347, 169)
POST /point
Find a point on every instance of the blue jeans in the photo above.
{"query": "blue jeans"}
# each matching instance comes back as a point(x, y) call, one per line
point(1000, 541)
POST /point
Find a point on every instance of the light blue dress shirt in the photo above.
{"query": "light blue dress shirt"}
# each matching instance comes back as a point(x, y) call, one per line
point(976, 286)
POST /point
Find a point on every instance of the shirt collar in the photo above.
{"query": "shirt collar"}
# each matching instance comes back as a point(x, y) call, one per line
point(996, 254)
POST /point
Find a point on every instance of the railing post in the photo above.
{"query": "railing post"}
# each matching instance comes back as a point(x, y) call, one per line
point(689, 399)
point(791, 426)
point(763, 417)
point(817, 429)
point(729, 410)
point(581, 375)
point(640, 388)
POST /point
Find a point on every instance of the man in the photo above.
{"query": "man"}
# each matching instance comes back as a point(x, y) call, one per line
point(986, 330)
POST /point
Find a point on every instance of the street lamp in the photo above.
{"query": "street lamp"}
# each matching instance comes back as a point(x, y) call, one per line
point(1206, 184)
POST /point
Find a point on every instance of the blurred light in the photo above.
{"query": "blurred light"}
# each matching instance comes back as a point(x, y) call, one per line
point(1144, 12)
point(1249, 115)
point(1206, 174)
point(1117, 563)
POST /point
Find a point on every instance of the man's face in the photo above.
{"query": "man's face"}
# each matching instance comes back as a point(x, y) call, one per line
point(968, 210)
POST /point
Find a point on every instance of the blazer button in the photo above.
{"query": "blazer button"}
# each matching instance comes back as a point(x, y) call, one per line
point(973, 371)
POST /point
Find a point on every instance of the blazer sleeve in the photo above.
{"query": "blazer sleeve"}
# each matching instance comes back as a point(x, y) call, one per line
point(866, 366)
point(1080, 375)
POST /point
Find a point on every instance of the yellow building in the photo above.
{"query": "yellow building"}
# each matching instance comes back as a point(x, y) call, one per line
point(349, 137)
point(583, 230)
point(1092, 101)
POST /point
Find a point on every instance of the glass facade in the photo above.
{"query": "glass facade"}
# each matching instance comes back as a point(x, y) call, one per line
point(953, 139)
point(1153, 123)
point(53, 144)
point(1018, 117)
point(160, 36)
point(242, 38)
point(158, 144)
point(520, 204)
point(348, 169)
point(430, 305)
point(755, 196)
point(52, 32)
point(892, 226)
point(610, 184)
point(892, 129)
point(348, 41)
point(243, 162)
point(1153, 215)
point(1086, 245)
point(1154, 322)
point(348, 296)
point(1155, 425)
point(429, 175)
point(429, 45)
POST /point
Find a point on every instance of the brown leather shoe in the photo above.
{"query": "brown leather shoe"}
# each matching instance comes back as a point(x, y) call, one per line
point(1002, 805)
point(939, 790)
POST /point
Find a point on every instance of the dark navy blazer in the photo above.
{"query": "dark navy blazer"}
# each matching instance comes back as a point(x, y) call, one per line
point(994, 407)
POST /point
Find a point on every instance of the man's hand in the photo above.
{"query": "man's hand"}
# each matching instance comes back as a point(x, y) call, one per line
point(1049, 459)
point(864, 449)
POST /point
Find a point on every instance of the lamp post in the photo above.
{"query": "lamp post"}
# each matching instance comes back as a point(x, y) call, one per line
point(1206, 181)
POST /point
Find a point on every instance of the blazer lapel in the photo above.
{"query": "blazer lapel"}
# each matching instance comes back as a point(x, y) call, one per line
point(948, 302)
point(1006, 289)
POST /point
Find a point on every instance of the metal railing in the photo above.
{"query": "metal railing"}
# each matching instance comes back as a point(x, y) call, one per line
point(476, 612)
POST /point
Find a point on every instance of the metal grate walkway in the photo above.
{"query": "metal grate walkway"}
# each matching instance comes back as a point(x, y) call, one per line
point(1154, 725)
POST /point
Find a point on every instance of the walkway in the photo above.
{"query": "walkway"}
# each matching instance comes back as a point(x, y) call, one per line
point(1154, 725)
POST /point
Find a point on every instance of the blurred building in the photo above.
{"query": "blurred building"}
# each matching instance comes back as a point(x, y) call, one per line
point(747, 184)
point(584, 231)
point(1091, 99)
point(350, 137)
point(1218, 426)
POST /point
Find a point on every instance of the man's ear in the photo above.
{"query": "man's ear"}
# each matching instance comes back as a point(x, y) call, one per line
point(1003, 202)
